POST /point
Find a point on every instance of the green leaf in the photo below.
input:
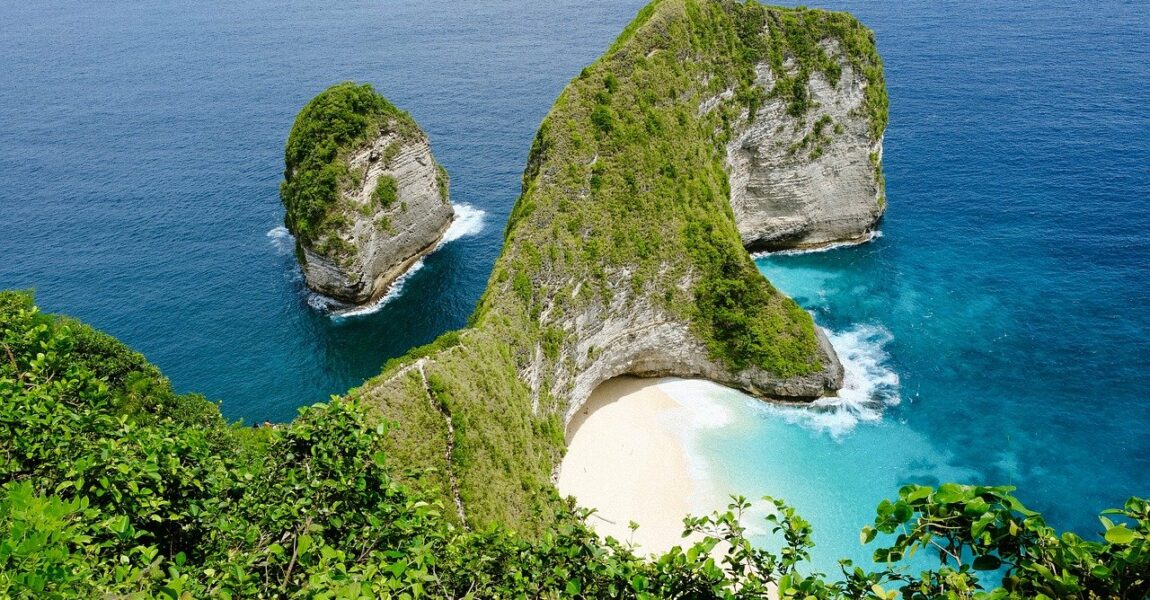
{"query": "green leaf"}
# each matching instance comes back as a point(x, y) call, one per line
point(951, 492)
point(981, 524)
point(975, 507)
point(303, 544)
point(1119, 535)
point(902, 511)
point(919, 493)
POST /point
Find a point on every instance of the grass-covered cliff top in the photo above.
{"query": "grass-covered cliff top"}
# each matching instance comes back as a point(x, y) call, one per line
point(331, 126)
point(432, 480)
point(627, 172)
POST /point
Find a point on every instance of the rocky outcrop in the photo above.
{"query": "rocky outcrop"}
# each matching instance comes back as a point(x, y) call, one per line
point(655, 170)
point(363, 195)
point(633, 335)
point(385, 238)
point(811, 180)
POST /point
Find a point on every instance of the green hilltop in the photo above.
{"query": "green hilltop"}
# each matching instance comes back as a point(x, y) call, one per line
point(625, 194)
point(331, 125)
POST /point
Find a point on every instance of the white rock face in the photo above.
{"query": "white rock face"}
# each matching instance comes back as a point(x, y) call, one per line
point(634, 336)
point(795, 183)
point(809, 181)
point(386, 240)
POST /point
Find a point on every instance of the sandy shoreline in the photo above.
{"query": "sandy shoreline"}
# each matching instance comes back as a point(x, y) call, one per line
point(624, 460)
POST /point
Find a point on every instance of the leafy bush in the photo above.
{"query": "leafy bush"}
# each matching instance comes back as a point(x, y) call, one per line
point(97, 500)
point(386, 191)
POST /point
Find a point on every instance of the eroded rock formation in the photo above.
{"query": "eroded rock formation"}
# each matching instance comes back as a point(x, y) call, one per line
point(386, 240)
point(811, 180)
point(364, 196)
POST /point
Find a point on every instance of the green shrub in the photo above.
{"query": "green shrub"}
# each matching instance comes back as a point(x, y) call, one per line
point(601, 117)
point(96, 502)
point(386, 191)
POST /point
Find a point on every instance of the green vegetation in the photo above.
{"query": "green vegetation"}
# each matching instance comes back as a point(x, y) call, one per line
point(800, 35)
point(625, 197)
point(626, 173)
point(818, 138)
point(390, 152)
point(443, 181)
point(112, 486)
point(335, 123)
point(386, 191)
point(433, 479)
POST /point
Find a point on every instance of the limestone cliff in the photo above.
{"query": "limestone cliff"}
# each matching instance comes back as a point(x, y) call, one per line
point(813, 179)
point(365, 197)
point(625, 251)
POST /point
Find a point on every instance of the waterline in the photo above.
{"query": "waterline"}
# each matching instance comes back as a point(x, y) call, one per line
point(468, 221)
point(869, 237)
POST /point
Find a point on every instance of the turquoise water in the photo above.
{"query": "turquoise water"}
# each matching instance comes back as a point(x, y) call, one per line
point(999, 326)
point(1001, 323)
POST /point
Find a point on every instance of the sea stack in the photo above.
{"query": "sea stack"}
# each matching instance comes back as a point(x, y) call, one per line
point(365, 198)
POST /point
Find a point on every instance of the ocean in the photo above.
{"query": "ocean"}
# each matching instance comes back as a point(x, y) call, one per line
point(997, 332)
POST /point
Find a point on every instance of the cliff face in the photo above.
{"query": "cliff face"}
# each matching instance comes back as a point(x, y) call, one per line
point(625, 253)
point(811, 180)
point(632, 335)
point(386, 240)
point(384, 204)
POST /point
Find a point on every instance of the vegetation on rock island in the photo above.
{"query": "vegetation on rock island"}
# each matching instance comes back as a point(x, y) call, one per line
point(433, 480)
point(112, 485)
point(335, 123)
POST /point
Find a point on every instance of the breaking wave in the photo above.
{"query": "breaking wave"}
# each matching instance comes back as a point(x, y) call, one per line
point(339, 314)
point(869, 384)
point(468, 221)
point(282, 240)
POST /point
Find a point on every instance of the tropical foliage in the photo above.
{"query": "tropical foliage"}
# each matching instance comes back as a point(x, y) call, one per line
point(625, 204)
point(111, 485)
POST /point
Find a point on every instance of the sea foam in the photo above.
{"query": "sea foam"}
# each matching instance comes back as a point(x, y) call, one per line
point(701, 408)
point(869, 385)
point(339, 314)
point(282, 240)
point(469, 221)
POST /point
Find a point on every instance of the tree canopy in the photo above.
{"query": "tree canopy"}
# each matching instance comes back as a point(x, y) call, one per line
point(111, 484)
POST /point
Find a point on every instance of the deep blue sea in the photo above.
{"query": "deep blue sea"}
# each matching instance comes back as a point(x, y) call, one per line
point(998, 330)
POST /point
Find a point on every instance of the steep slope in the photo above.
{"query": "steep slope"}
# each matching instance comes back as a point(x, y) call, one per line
point(806, 170)
point(623, 254)
point(364, 196)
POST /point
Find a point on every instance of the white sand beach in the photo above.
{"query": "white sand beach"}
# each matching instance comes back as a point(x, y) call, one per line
point(623, 460)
